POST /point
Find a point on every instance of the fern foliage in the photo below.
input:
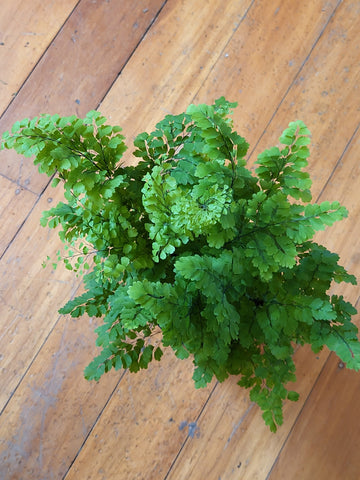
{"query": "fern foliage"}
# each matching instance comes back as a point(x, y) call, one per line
point(192, 242)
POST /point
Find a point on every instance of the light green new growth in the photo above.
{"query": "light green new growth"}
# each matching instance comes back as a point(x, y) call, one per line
point(189, 240)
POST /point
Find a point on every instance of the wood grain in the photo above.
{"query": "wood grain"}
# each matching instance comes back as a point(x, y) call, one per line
point(325, 95)
point(255, 448)
point(148, 418)
point(281, 60)
point(12, 212)
point(26, 29)
point(76, 70)
point(37, 334)
point(324, 443)
point(234, 441)
point(175, 58)
point(264, 59)
point(29, 295)
point(326, 436)
point(54, 408)
point(258, 464)
point(344, 236)
point(21, 267)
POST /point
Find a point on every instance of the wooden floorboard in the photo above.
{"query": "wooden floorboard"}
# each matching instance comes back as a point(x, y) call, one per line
point(263, 61)
point(77, 69)
point(326, 437)
point(139, 60)
point(12, 212)
point(177, 57)
point(325, 440)
point(26, 29)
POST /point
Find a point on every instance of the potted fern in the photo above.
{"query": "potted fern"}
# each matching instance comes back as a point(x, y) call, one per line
point(193, 243)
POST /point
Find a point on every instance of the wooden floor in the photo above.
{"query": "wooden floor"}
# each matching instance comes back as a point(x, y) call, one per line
point(136, 60)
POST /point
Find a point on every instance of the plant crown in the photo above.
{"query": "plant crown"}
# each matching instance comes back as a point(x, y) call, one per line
point(190, 241)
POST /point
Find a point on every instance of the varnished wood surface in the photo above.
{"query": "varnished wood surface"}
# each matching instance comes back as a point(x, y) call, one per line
point(136, 61)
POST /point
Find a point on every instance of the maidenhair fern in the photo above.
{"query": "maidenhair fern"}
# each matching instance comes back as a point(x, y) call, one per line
point(193, 242)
